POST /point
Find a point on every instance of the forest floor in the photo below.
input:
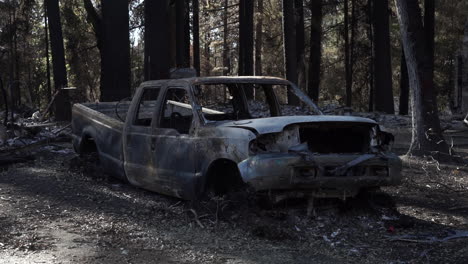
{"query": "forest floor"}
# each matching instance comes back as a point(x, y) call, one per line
point(59, 209)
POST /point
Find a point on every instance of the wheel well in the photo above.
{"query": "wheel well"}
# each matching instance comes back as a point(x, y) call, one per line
point(223, 176)
point(88, 145)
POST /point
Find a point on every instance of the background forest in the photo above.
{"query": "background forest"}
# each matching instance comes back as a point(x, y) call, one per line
point(339, 46)
point(57, 206)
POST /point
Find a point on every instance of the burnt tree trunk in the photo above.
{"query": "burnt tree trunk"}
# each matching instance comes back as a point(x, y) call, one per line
point(429, 17)
point(226, 61)
point(300, 42)
point(290, 55)
point(182, 35)
point(62, 102)
point(315, 58)
point(96, 21)
point(157, 55)
point(116, 50)
point(404, 85)
point(5, 99)
point(196, 36)
point(246, 41)
point(11, 62)
point(348, 74)
point(258, 39)
point(427, 135)
point(17, 72)
point(352, 45)
point(370, 35)
point(46, 28)
point(371, 55)
point(383, 90)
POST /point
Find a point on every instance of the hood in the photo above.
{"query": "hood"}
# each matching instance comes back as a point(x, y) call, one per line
point(277, 124)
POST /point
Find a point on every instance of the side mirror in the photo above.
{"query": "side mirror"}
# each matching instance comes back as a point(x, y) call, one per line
point(385, 138)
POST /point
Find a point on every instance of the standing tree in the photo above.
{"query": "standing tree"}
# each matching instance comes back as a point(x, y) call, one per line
point(427, 135)
point(226, 60)
point(348, 63)
point(315, 58)
point(62, 101)
point(182, 35)
point(96, 22)
point(429, 17)
point(370, 35)
point(46, 29)
point(116, 47)
point(289, 39)
point(383, 90)
point(246, 40)
point(258, 38)
point(300, 42)
point(404, 85)
point(196, 36)
point(157, 56)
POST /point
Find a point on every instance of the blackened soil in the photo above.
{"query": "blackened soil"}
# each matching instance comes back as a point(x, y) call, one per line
point(62, 209)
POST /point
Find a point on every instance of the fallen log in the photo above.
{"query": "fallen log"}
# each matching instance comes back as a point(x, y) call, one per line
point(5, 161)
point(35, 145)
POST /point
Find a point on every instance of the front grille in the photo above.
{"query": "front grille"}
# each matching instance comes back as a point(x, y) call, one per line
point(306, 172)
point(330, 171)
point(378, 171)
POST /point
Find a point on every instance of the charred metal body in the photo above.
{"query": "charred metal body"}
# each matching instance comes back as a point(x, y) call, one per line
point(169, 141)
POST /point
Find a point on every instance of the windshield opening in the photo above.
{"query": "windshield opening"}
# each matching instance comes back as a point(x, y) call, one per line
point(234, 101)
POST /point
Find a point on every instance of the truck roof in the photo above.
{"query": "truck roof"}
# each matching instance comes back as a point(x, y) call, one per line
point(222, 79)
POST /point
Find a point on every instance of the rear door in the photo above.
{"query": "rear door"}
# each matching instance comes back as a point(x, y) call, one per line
point(174, 157)
point(137, 136)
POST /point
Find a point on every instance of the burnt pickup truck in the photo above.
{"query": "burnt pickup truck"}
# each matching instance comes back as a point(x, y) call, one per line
point(183, 137)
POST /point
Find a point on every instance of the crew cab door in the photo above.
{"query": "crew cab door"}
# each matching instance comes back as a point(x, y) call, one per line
point(137, 136)
point(174, 143)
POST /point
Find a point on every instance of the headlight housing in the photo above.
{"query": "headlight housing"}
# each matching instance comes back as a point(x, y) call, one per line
point(275, 142)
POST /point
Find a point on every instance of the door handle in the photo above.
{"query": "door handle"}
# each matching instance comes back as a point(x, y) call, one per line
point(153, 143)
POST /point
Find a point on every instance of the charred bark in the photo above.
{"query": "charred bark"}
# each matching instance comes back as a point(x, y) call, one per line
point(207, 54)
point(5, 99)
point(246, 41)
point(116, 50)
point(11, 60)
point(62, 102)
point(352, 45)
point(96, 22)
point(157, 39)
point(404, 85)
point(290, 55)
point(226, 61)
point(182, 35)
point(383, 90)
point(46, 28)
point(427, 135)
point(348, 73)
point(429, 17)
point(371, 55)
point(315, 58)
point(300, 43)
point(196, 36)
point(258, 39)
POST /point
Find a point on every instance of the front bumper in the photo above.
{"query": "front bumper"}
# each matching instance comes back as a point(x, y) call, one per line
point(316, 174)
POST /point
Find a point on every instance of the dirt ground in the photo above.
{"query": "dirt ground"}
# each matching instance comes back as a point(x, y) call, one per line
point(58, 209)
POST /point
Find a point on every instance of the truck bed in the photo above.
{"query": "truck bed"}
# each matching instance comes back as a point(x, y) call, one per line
point(109, 109)
point(101, 124)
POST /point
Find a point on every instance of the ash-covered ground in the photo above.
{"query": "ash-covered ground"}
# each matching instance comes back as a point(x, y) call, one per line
point(58, 208)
